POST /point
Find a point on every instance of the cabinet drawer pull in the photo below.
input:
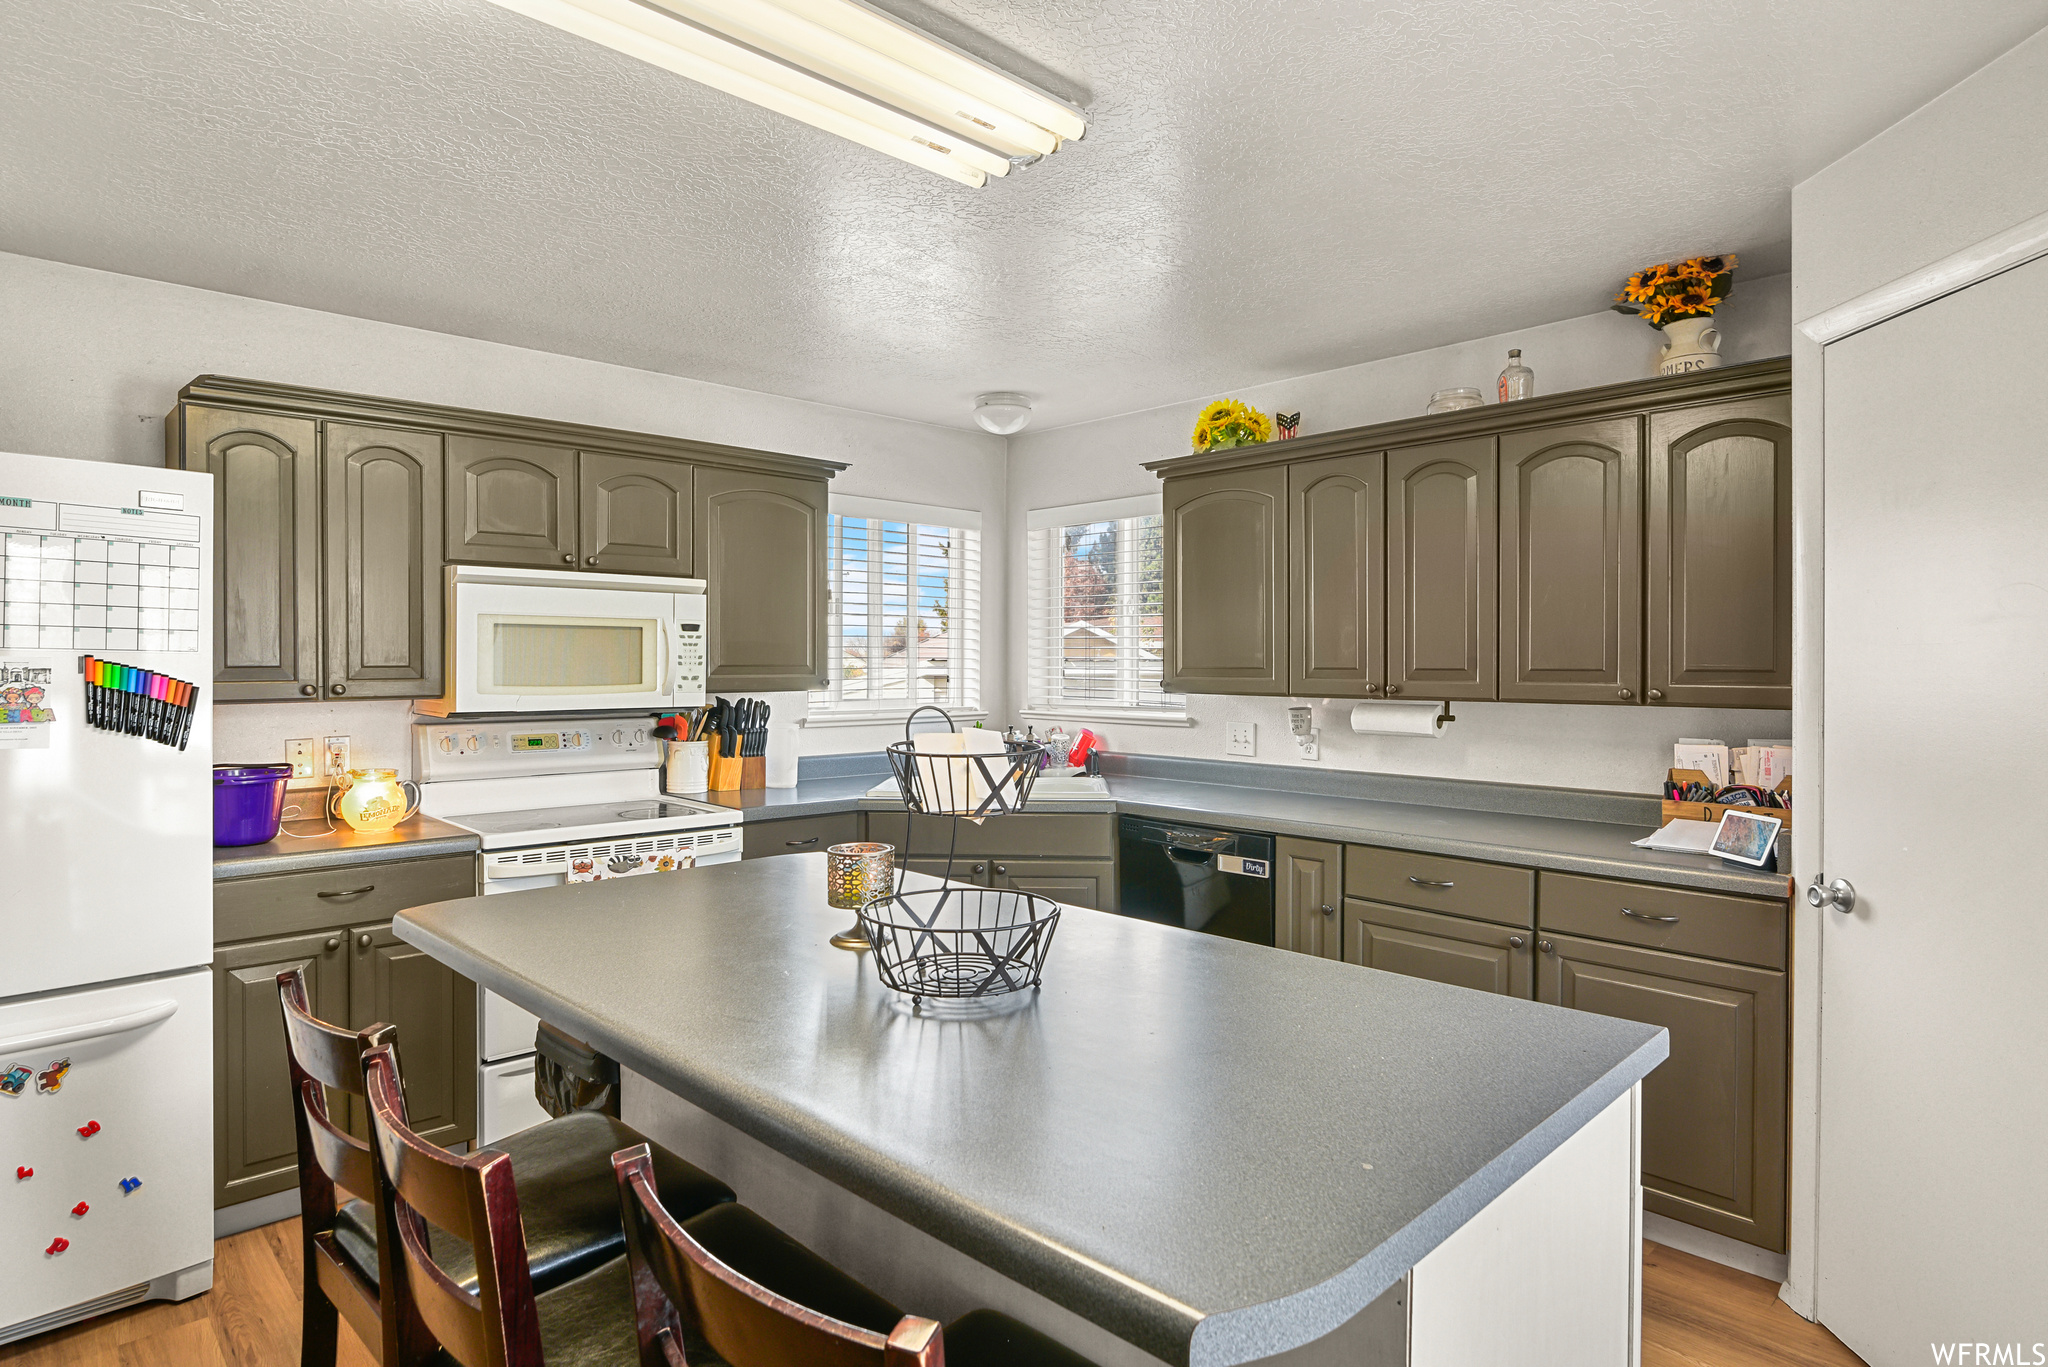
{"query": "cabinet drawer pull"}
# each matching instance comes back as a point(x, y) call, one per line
point(352, 892)
point(794, 843)
point(1645, 916)
point(1429, 883)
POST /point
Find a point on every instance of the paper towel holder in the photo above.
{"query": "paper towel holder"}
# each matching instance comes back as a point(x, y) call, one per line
point(1444, 715)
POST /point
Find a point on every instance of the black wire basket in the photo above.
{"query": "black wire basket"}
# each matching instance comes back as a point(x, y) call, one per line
point(943, 783)
point(960, 941)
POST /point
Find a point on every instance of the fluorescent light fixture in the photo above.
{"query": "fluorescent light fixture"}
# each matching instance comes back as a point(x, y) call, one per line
point(839, 65)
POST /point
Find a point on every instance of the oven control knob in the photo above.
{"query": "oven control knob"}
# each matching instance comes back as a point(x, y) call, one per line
point(447, 745)
point(640, 737)
point(472, 744)
point(618, 738)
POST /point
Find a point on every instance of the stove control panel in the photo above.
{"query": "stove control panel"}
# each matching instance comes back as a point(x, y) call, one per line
point(456, 749)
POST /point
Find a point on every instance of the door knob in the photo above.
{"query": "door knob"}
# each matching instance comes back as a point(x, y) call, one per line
point(1392, 689)
point(568, 560)
point(308, 691)
point(1655, 695)
point(363, 941)
point(334, 942)
point(1372, 688)
point(1329, 910)
point(1838, 894)
point(1625, 694)
point(1002, 869)
point(1546, 946)
point(591, 561)
point(980, 868)
point(1516, 942)
point(338, 689)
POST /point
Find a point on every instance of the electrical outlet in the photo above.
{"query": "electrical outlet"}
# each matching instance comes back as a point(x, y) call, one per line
point(1311, 745)
point(299, 754)
point(1242, 739)
point(335, 748)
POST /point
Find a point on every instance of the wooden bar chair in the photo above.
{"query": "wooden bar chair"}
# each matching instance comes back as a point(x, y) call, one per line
point(498, 1319)
point(563, 1166)
point(726, 1286)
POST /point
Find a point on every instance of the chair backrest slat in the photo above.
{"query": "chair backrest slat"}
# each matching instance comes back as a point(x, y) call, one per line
point(677, 1282)
point(343, 1157)
point(471, 1197)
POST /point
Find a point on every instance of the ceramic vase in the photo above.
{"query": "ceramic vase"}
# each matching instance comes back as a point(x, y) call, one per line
point(1690, 344)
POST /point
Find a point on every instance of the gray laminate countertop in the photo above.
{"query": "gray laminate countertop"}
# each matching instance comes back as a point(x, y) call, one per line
point(1213, 1150)
point(307, 846)
point(1559, 829)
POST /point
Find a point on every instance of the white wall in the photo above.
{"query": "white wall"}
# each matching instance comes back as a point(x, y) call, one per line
point(1614, 748)
point(90, 361)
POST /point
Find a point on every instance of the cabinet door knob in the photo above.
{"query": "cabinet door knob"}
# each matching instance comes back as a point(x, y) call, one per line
point(1625, 694)
point(568, 560)
point(1516, 942)
point(338, 689)
point(363, 940)
point(1372, 688)
point(334, 942)
point(1655, 695)
point(981, 868)
point(1000, 868)
point(1329, 910)
point(308, 691)
point(591, 561)
point(1546, 946)
point(1392, 689)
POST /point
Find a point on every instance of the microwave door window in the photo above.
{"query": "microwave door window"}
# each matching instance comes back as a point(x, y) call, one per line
point(543, 656)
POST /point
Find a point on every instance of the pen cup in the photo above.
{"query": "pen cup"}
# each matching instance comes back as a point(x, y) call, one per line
point(689, 767)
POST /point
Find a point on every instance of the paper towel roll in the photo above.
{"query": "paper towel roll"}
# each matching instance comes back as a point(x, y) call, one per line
point(1396, 718)
point(786, 713)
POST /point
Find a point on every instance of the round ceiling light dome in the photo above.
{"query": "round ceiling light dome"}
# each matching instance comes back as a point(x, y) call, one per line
point(1002, 414)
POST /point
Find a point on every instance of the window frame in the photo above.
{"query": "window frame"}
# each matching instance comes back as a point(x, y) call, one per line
point(1044, 696)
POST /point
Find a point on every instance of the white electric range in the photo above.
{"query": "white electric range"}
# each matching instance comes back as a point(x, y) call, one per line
point(555, 800)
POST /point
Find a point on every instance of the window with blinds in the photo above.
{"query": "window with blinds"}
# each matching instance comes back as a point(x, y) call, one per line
point(1097, 621)
point(904, 622)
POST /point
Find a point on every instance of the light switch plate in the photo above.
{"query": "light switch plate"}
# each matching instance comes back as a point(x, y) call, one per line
point(1241, 739)
point(299, 754)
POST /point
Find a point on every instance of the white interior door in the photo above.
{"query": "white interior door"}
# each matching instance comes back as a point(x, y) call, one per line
point(1932, 1188)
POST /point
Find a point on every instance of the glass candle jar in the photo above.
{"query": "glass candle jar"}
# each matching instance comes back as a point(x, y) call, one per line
point(374, 799)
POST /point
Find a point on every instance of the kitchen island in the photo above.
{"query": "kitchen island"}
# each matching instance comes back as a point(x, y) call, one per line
point(1179, 1149)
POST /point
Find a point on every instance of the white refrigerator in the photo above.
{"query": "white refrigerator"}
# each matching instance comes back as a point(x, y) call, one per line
point(106, 895)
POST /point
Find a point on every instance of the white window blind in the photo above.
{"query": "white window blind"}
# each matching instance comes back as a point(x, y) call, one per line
point(1097, 619)
point(904, 621)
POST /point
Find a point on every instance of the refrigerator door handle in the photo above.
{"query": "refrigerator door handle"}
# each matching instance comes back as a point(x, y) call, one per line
point(67, 1034)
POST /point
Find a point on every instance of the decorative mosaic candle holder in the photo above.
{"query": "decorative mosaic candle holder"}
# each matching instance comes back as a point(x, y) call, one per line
point(856, 876)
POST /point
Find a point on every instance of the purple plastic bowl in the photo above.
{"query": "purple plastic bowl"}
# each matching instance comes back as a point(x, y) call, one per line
point(248, 802)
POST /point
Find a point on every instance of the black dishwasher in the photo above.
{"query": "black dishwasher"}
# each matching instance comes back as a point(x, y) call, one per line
point(1217, 882)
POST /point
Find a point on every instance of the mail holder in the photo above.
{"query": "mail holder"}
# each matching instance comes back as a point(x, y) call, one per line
point(1714, 811)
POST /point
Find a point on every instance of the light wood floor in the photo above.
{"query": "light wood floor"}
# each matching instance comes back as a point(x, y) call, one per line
point(1695, 1314)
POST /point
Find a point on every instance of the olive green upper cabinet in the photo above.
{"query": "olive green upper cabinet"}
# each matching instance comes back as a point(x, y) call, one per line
point(1571, 563)
point(1336, 514)
point(1440, 570)
point(761, 550)
point(511, 502)
point(1226, 582)
point(266, 509)
point(384, 601)
point(636, 514)
point(1720, 555)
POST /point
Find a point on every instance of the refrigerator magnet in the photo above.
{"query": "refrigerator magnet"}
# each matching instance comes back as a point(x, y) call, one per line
point(57, 1246)
point(51, 1079)
point(24, 718)
point(23, 1174)
point(78, 1211)
point(88, 1129)
point(14, 1081)
point(129, 1184)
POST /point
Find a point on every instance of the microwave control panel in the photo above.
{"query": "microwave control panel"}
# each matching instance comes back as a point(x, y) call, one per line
point(689, 690)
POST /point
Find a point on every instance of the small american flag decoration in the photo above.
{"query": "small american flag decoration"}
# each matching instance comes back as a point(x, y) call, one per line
point(1288, 424)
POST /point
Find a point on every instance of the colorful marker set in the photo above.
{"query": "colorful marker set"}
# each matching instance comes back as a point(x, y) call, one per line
point(138, 702)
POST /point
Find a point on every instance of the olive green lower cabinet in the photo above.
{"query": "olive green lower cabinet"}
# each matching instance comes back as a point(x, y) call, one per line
point(1069, 857)
point(798, 834)
point(357, 974)
point(1308, 882)
point(1445, 949)
point(1714, 1112)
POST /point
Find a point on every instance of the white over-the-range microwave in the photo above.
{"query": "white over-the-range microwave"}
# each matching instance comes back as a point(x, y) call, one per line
point(562, 641)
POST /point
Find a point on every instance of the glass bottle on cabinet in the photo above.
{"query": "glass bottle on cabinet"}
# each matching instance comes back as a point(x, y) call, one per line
point(1517, 381)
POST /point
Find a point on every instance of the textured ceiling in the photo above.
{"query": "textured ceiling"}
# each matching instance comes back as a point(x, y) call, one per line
point(1267, 188)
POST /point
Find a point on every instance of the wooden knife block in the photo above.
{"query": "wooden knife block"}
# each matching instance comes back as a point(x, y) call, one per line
point(726, 770)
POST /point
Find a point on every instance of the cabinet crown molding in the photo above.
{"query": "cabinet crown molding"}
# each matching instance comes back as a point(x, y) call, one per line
point(340, 406)
point(1626, 399)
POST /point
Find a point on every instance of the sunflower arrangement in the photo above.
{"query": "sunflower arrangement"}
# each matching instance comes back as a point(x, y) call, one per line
point(1227, 423)
point(1678, 289)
